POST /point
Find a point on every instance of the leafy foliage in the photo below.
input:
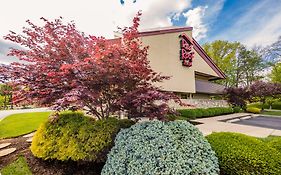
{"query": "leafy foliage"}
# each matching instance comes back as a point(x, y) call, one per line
point(276, 73)
point(241, 65)
point(224, 55)
point(73, 136)
point(264, 90)
point(239, 154)
point(209, 112)
point(67, 68)
point(275, 142)
point(253, 110)
point(237, 96)
point(275, 105)
point(5, 96)
point(161, 148)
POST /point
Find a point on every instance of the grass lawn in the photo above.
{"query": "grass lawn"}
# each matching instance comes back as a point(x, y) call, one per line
point(20, 124)
point(277, 113)
point(19, 167)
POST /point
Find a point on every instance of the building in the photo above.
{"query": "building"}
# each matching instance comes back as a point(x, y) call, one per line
point(174, 52)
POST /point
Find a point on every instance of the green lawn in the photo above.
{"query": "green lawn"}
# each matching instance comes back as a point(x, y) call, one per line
point(19, 167)
point(277, 113)
point(20, 124)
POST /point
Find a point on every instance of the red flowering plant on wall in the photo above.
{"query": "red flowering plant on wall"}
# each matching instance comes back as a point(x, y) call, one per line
point(66, 68)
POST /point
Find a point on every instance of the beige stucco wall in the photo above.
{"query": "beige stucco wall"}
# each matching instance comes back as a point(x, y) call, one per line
point(164, 57)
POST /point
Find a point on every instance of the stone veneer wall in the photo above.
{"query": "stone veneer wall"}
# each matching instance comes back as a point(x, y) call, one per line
point(201, 103)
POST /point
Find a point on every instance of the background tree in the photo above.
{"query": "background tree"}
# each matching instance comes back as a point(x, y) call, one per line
point(275, 74)
point(242, 66)
point(264, 91)
point(6, 96)
point(67, 68)
point(250, 66)
point(273, 52)
point(237, 96)
point(224, 55)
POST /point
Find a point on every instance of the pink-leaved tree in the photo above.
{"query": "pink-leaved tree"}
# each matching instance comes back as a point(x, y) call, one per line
point(62, 67)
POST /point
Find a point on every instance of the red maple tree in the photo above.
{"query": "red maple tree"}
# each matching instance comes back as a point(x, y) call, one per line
point(66, 68)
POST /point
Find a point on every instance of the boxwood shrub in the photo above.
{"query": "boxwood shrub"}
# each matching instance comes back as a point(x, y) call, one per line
point(73, 136)
point(208, 112)
point(239, 154)
point(157, 147)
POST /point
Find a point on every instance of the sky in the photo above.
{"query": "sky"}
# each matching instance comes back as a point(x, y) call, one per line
point(251, 22)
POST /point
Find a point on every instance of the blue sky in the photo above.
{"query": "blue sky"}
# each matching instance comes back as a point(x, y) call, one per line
point(251, 22)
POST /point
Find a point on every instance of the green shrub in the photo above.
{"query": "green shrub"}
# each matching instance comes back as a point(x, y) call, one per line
point(209, 112)
point(188, 113)
point(73, 136)
point(161, 148)
point(276, 105)
point(236, 109)
point(275, 142)
point(253, 110)
point(239, 154)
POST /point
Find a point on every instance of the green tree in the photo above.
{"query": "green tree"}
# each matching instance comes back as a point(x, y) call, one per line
point(224, 54)
point(250, 66)
point(5, 96)
point(242, 66)
point(276, 73)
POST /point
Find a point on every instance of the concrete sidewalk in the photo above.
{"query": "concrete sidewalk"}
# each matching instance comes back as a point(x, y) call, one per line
point(6, 113)
point(215, 124)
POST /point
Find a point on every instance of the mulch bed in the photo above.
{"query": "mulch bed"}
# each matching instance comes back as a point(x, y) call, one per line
point(50, 167)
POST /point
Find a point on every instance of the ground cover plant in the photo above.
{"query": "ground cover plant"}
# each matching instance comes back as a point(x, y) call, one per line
point(73, 136)
point(239, 154)
point(161, 148)
point(20, 124)
point(19, 167)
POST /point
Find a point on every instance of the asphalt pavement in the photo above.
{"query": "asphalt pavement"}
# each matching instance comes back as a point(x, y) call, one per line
point(260, 121)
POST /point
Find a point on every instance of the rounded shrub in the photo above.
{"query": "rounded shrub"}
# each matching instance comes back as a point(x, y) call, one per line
point(239, 154)
point(157, 147)
point(253, 110)
point(73, 136)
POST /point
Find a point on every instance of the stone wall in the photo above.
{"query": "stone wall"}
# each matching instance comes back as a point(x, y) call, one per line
point(201, 103)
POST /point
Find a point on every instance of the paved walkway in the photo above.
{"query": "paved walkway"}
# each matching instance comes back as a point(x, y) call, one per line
point(6, 113)
point(215, 124)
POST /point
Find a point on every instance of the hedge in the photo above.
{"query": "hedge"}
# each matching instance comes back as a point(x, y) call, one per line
point(157, 147)
point(239, 154)
point(209, 112)
point(275, 142)
point(73, 136)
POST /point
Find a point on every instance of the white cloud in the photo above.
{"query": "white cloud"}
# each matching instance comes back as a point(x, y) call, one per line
point(260, 25)
point(267, 34)
point(195, 19)
point(94, 17)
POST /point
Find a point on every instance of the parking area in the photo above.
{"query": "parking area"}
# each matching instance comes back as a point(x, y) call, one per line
point(262, 121)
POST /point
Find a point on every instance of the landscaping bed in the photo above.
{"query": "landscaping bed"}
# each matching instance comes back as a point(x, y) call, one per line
point(39, 166)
